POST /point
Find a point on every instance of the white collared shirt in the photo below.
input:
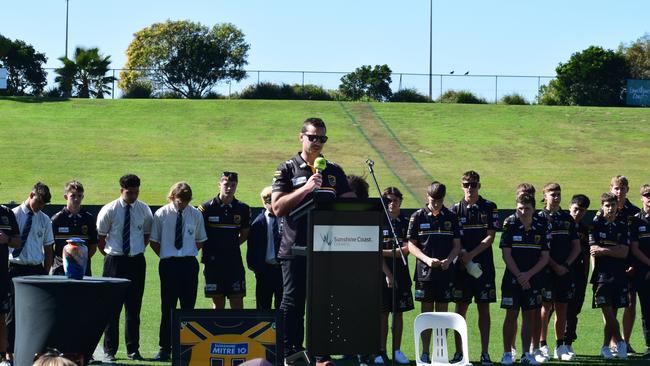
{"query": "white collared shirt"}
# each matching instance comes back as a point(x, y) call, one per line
point(40, 235)
point(110, 222)
point(163, 231)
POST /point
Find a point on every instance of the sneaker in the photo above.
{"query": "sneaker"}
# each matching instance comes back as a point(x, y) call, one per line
point(545, 351)
point(561, 353)
point(513, 350)
point(507, 358)
point(161, 356)
point(485, 359)
point(528, 359)
point(606, 353)
point(646, 355)
point(458, 356)
point(571, 352)
point(425, 358)
point(378, 360)
point(135, 356)
point(630, 350)
point(401, 358)
point(622, 350)
point(538, 356)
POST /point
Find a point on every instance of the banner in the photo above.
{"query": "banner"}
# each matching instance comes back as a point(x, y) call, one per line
point(638, 92)
point(3, 78)
point(346, 238)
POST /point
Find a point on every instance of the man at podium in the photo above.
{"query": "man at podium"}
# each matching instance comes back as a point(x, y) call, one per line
point(295, 182)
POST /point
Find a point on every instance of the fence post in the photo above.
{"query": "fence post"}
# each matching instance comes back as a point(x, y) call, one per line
point(303, 84)
point(496, 89)
point(113, 90)
point(538, 86)
point(258, 78)
point(441, 85)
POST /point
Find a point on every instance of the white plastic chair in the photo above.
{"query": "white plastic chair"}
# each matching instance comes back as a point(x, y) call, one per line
point(439, 323)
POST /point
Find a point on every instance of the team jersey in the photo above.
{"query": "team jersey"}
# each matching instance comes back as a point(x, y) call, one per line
point(526, 245)
point(223, 223)
point(476, 220)
point(562, 230)
point(640, 232)
point(293, 174)
point(66, 225)
point(434, 236)
point(400, 224)
point(607, 235)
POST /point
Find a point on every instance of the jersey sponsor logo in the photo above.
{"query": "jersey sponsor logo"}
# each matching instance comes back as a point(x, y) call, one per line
point(425, 225)
point(298, 181)
point(538, 238)
point(190, 231)
point(64, 229)
point(39, 234)
point(5, 220)
point(210, 287)
point(386, 232)
point(237, 219)
point(516, 238)
point(332, 180)
point(139, 227)
point(447, 225)
point(641, 228)
point(213, 218)
point(84, 229)
point(600, 300)
point(602, 235)
point(507, 301)
point(463, 220)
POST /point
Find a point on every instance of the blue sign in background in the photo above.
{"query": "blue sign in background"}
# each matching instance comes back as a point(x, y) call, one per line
point(638, 92)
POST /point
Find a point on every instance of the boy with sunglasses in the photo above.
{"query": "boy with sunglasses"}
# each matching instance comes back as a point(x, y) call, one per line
point(640, 248)
point(479, 219)
point(227, 222)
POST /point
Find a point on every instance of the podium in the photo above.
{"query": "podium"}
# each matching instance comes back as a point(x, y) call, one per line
point(343, 275)
point(66, 314)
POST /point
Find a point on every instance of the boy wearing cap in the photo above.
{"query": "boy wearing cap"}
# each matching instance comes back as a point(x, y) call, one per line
point(227, 221)
point(434, 239)
point(73, 221)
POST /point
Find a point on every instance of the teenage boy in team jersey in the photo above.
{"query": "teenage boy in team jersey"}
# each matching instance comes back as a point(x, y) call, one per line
point(640, 248)
point(434, 239)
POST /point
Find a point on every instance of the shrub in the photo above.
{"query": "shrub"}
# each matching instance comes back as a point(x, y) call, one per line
point(460, 96)
point(213, 95)
point(514, 99)
point(267, 90)
point(53, 92)
point(311, 92)
point(169, 94)
point(548, 94)
point(140, 89)
point(409, 96)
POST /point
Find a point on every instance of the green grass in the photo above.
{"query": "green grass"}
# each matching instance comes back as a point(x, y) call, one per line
point(165, 141)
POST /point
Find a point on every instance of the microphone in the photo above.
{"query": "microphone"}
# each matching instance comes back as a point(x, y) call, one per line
point(320, 164)
point(371, 165)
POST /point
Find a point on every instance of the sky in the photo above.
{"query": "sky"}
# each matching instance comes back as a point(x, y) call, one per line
point(504, 37)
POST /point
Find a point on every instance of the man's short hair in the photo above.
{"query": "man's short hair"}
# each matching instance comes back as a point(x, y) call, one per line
point(265, 195)
point(526, 199)
point(437, 190)
point(129, 181)
point(619, 180)
point(180, 190)
point(358, 185)
point(551, 187)
point(393, 191)
point(525, 188)
point(581, 200)
point(230, 176)
point(608, 197)
point(73, 185)
point(471, 176)
point(313, 121)
point(42, 192)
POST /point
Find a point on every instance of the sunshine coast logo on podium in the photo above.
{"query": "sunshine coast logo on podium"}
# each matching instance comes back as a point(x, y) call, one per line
point(342, 238)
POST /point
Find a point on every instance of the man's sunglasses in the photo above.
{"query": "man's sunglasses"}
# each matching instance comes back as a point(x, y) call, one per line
point(314, 138)
point(470, 184)
point(646, 194)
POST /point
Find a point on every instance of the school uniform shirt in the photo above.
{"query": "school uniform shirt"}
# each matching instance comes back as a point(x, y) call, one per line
point(608, 234)
point(563, 230)
point(40, 235)
point(434, 236)
point(223, 223)
point(640, 232)
point(526, 245)
point(293, 174)
point(163, 231)
point(110, 222)
point(9, 226)
point(476, 220)
point(66, 225)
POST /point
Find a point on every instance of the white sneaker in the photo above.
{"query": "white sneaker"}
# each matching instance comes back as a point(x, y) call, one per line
point(539, 356)
point(378, 360)
point(561, 353)
point(621, 347)
point(606, 353)
point(571, 353)
point(545, 351)
point(401, 358)
point(528, 359)
point(507, 358)
point(513, 351)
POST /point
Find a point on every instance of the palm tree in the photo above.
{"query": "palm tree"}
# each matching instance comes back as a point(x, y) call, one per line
point(85, 74)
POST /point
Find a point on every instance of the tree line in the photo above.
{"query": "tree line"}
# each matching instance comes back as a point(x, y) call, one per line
point(187, 59)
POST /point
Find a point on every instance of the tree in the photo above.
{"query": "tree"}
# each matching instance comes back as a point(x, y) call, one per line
point(24, 67)
point(638, 57)
point(367, 82)
point(85, 75)
point(185, 57)
point(594, 76)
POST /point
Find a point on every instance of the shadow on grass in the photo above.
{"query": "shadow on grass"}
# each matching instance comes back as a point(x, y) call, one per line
point(34, 99)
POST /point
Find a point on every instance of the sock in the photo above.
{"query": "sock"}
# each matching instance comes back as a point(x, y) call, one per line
point(559, 342)
point(542, 343)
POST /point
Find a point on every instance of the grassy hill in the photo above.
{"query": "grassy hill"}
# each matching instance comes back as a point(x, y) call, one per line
point(165, 141)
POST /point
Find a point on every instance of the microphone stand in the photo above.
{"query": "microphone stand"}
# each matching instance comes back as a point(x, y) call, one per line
point(395, 248)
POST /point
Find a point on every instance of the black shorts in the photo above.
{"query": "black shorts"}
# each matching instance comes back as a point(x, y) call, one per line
point(404, 298)
point(436, 290)
point(514, 297)
point(482, 289)
point(4, 293)
point(223, 281)
point(560, 288)
point(610, 294)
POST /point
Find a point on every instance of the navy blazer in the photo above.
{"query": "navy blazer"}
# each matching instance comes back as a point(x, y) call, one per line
point(257, 242)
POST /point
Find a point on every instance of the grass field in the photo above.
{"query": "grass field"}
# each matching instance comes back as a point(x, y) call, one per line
point(165, 141)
